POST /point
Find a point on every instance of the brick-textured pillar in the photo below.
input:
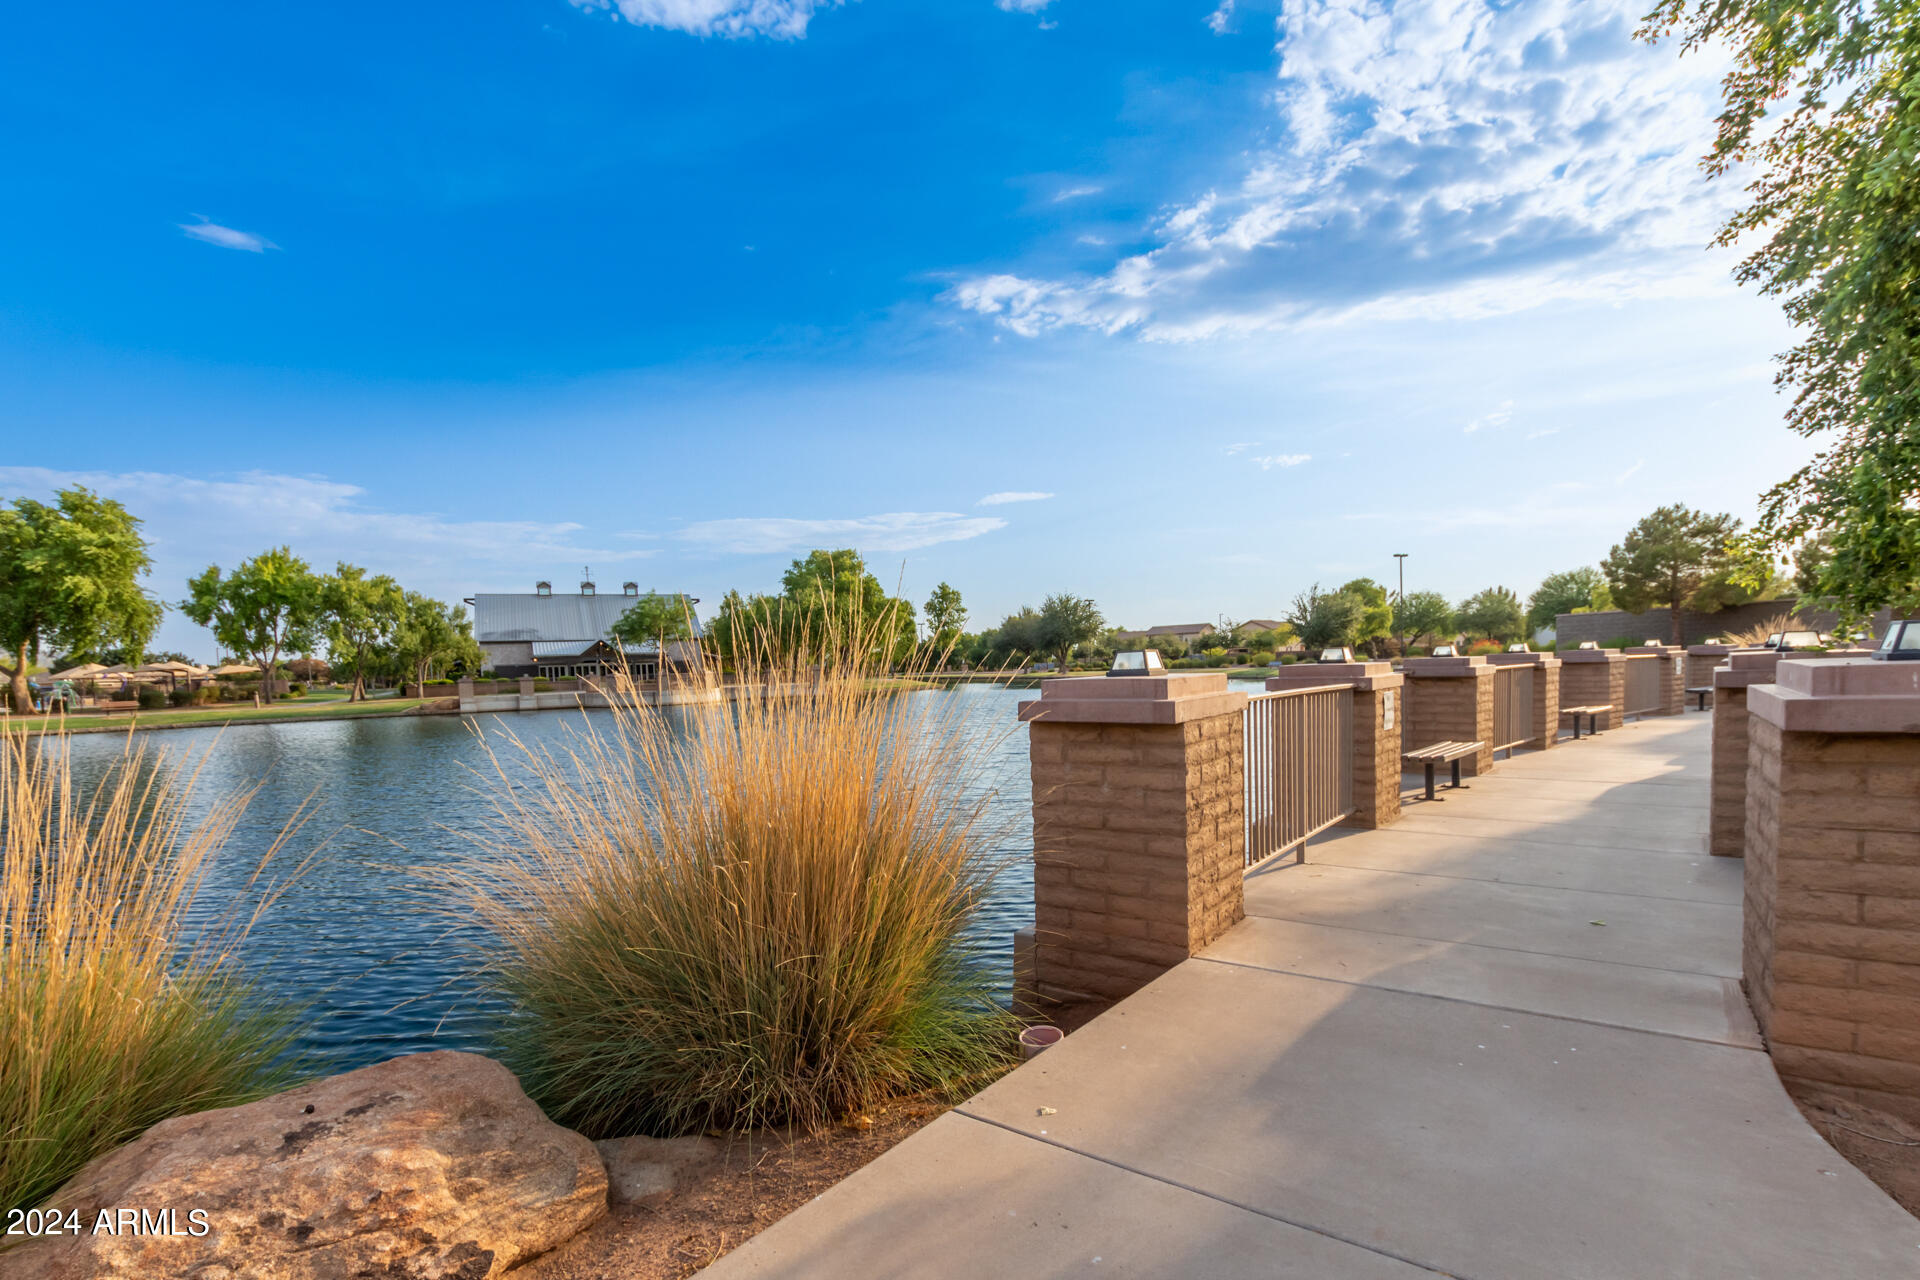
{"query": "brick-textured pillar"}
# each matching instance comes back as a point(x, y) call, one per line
point(1590, 677)
point(1544, 721)
point(1702, 660)
point(1672, 679)
point(1831, 946)
point(1139, 843)
point(1727, 767)
point(1378, 714)
point(1451, 700)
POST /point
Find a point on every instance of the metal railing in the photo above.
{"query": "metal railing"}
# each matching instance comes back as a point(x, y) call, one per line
point(1643, 685)
point(1299, 767)
point(1512, 707)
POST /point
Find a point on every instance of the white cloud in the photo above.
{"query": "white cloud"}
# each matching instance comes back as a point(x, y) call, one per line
point(780, 19)
point(1022, 6)
point(1075, 193)
point(226, 237)
point(1452, 159)
point(1011, 495)
point(1242, 447)
point(1220, 19)
point(1543, 432)
point(1273, 460)
point(1629, 473)
point(894, 531)
point(1498, 418)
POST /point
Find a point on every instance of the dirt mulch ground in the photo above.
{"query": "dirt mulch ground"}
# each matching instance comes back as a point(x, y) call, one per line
point(759, 1180)
point(1883, 1146)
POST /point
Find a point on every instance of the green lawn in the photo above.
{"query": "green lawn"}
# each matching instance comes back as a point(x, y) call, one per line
point(308, 708)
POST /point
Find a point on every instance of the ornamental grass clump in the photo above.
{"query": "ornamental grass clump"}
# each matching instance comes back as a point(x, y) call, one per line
point(120, 1001)
point(744, 912)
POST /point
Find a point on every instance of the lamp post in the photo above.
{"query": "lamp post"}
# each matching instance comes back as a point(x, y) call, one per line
point(1401, 599)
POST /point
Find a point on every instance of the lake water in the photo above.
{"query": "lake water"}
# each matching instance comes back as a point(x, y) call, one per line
point(368, 947)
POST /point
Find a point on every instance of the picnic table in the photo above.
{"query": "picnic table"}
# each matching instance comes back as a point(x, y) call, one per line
point(1447, 753)
point(1702, 692)
point(1592, 713)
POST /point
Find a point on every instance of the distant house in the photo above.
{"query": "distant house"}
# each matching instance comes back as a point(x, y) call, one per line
point(1185, 632)
point(562, 635)
point(1254, 626)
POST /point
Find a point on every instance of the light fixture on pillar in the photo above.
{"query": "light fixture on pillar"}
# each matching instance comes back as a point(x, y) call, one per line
point(1519, 646)
point(1654, 642)
point(1445, 651)
point(1337, 654)
point(1137, 662)
point(1589, 644)
point(1901, 643)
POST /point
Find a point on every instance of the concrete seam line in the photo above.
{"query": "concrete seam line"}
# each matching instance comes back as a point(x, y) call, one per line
point(1612, 846)
point(1490, 946)
point(1521, 884)
point(1625, 782)
point(1255, 1210)
point(1503, 1008)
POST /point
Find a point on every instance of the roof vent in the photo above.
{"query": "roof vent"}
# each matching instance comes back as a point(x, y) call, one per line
point(543, 588)
point(586, 588)
point(629, 588)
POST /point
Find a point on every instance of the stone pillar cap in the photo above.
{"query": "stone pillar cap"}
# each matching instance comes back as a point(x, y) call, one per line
point(1744, 667)
point(1522, 660)
point(1847, 695)
point(1713, 650)
point(1360, 675)
point(1168, 699)
point(1592, 655)
point(1462, 666)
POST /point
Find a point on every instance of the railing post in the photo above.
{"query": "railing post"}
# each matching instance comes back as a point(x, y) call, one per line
point(1831, 945)
point(1378, 712)
point(1590, 677)
point(1451, 700)
point(1138, 842)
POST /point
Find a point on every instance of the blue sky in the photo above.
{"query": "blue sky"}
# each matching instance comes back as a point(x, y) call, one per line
point(1184, 306)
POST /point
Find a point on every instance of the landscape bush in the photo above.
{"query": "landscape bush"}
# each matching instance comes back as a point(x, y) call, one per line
point(745, 913)
point(181, 697)
point(149, 697)
point(119, 1002)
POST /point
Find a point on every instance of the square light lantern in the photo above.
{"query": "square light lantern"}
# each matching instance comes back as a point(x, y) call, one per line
point(1901, 643)
point(1589, 644)
point(1137, 662)
point(1444, 651)
point(1338, 653)
point(1518, 646)
point(1653, 642)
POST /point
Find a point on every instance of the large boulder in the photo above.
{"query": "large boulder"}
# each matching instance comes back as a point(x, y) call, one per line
point(430, 1167)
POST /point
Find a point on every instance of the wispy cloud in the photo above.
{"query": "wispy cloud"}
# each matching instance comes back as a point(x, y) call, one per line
point(1457, 159)
point(1629, 473)
point(1544, 431)
point(1500, 417)
point(736, 19)
point(1272, 460)
point(209, 232)
point(1075, 193)
point(1222, 18)
point(1011, 495)
point(894, 531)
point(1242, 447)
point(1022, 6)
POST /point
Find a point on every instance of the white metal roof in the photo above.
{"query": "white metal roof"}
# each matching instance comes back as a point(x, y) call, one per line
point(550, 619)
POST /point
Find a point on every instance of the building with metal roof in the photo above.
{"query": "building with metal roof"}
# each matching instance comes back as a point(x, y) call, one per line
point(549, 633)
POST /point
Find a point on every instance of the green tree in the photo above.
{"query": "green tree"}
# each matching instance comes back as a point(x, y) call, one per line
point(267, 606)
point(69, 580)
point(362, 614)
point(1423, 617)
point(657, 618)
point(1495, 613)
point(1666, 558)
point(836, 602)
point(1066, 621)
point(946, 616)
point(1325, 619)
point(1821, 109)
point(434, 637)
point(1375, 620)
point(1563, 592)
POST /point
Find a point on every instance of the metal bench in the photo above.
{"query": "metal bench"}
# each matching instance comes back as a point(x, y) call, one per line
point(1702, 692)
point(1447, 753)
point(1592, 713)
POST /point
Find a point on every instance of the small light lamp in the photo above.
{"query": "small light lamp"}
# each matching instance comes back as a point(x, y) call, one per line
point(1589, 644)
point(1901, 643)
point(1653, 642)
point(1137, 662)
point(1518, 646)
point(1337, 654)
point(1445, 651)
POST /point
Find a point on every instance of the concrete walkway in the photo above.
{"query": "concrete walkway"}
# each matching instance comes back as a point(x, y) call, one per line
point(1503, 1038)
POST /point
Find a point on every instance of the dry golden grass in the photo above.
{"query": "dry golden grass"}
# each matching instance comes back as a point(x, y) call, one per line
point(748, 912)
point(120, 1004)
point(1757, 634)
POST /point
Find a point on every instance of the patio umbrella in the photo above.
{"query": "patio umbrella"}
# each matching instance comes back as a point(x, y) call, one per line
point(85, 671)
point(237, 669)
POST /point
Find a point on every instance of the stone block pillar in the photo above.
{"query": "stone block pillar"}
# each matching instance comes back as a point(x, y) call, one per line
point(1702, 660)
point(1727, 767)
point(1544, 719)
point(1831, 945)
point(465, 688)
point(1139, 840)
point(1451, 700)
point(1673, 676)
point(526, 686)
point(1590, 677)
point(1378, 714)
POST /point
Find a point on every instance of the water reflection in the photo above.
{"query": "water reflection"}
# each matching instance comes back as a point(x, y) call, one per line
point(368, 947)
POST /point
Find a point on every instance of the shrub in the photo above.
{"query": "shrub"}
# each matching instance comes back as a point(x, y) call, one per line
point(149, 697)
point(543, 686)
point(295, 689)
point(180, 697)
point(111, 1020)
point(1260, 657)
point(744, 913)
point(1482, 647)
